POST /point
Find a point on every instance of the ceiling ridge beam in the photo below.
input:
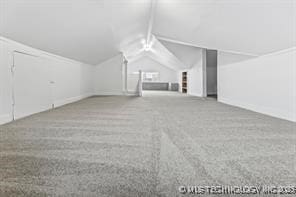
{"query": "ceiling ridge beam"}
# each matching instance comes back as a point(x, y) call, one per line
point(151, 22)
point(193, 45)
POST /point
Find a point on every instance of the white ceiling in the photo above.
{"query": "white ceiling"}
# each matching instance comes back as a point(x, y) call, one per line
point(245, 26)
point(85, 30)
point(187, 54)
point(92, 31)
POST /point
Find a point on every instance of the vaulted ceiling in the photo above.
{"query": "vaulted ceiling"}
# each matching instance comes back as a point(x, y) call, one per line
point(92, 31)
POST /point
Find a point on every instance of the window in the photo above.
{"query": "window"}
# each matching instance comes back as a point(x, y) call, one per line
point(150, 76)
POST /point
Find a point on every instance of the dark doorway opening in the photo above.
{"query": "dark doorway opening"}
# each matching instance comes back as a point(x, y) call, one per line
point(184, 82)
point(211, 73)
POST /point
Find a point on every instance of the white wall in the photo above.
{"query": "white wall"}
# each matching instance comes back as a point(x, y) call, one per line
point(146, 64)
point(108, 77)
point(72, 79)
point(225, 58)
point(5, 83)
point(194, 76)
point(265, 84)
point(185, 53)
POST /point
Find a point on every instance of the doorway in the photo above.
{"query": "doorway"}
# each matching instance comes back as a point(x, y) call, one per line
point(211, 73)
point(31, 85)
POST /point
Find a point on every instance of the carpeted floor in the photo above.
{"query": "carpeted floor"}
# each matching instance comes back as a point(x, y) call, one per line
point(148, 146)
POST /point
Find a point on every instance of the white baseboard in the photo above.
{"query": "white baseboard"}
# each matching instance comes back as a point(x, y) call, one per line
point(109, 93)
point(263, 110)
point(193, 94)
point(6, 118)
point(132, 93)
point(62, 102)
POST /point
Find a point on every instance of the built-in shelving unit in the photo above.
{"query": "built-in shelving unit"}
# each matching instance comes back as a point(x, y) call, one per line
point(184, 82)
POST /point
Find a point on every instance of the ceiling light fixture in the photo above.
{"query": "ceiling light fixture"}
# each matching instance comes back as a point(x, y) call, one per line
point(147, 47)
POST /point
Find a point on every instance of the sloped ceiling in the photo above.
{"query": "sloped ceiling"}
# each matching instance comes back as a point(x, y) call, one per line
point(246, 26)
point(187, 54)
point(164, 56)
point(86, 30)
point(92, 31)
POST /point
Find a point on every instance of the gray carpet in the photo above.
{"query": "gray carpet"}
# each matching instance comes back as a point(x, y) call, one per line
point(149, 146)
